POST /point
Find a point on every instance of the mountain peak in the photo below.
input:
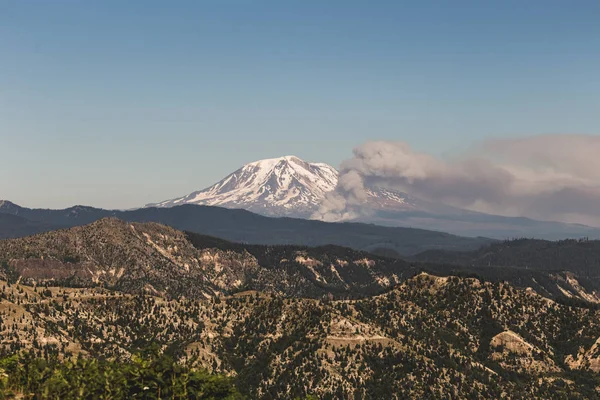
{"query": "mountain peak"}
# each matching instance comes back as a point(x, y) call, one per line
point(275, 160)
point(284, 186)
point(9, 207)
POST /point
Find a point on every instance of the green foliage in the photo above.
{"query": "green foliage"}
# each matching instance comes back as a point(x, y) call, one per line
point(150, 377)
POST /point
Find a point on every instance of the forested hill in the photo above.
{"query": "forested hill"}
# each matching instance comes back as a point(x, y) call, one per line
point(425, 339)
point(15, 226)
point(561, 269)
point(578, 256)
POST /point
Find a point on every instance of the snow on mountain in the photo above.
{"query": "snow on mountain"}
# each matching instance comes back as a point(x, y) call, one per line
point(286, 186)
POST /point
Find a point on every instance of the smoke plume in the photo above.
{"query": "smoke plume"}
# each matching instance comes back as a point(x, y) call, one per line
point(548, 177)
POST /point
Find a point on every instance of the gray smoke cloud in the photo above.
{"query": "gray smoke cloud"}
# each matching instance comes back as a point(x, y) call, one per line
point(548, 177)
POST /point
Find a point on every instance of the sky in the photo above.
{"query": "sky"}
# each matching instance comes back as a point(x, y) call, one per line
point(117, 104)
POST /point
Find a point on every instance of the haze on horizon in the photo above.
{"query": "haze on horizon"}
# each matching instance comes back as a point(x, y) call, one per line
point(119, 104)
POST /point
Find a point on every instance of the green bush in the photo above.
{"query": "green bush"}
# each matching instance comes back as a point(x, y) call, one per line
point(154, 377)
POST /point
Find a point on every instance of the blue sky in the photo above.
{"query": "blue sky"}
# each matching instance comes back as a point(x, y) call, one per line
point(121, 103)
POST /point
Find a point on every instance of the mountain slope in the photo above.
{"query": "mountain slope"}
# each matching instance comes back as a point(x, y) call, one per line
point(131, 257)
point(15, 226)
point(429, 337)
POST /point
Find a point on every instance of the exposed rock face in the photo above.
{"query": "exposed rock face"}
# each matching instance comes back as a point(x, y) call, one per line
point(512, 351)
point(586, 359)
point(511, 342)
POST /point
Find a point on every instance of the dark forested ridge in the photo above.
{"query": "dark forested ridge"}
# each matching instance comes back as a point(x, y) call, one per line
point(246, 227)
point(580, 256)
point(12, 226)
point(532, 261)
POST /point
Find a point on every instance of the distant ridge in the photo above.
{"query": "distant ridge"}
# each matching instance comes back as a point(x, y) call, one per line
point(247, 227)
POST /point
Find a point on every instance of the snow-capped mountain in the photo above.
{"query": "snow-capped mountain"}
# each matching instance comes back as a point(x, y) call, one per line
point(286, 186)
